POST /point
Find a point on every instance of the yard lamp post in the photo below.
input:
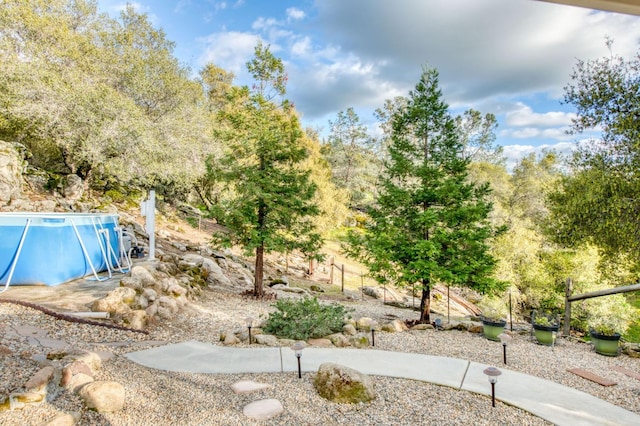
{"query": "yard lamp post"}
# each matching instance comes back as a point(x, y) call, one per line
point(374, 327)
point(297, 348)
point(505, 339)
point(492, 373)
point(249, 322)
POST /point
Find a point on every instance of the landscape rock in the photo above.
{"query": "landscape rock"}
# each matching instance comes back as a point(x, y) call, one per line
point(143, 275)
point(91, 359)
point(11, 165)
point(230, 339)
point(215, 274)
point(263, 409)
point(631, 349)
point(349, 330)
point(396, 325)
point(342, 384)
point(64, 419)
point(116, 301)
point(103, 396)
point(73, 187)
point(137, 319)
point(40, 379)
point(320, 343)
point(76, 382)
point(364, 324)
point(339, 340)
point(267, 340)
point(360, 340)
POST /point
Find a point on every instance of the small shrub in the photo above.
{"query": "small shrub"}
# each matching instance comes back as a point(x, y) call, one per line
point(493, 308)
point(609, 315)
point(305, 319)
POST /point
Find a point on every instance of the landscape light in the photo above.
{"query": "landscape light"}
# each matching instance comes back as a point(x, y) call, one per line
point(249, 322)
point(374, 327)
point(297, 348)
point(492, 374)
point(505, 339)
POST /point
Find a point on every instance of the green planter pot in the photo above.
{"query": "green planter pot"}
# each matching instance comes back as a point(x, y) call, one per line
point(606, 345)
point(544, 333)
point(492, 329)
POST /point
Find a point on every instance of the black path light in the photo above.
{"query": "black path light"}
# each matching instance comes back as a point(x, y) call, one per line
point(249, 322)
point(297, 348)
point(374, 327)
point(492, 373)
point(505, 339)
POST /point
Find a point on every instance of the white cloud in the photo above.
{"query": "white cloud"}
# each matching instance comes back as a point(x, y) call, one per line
point(524, 116)
point(294, 14)
point(230, 50)
point(262, 24)
point(481, 48)
point(301, 47)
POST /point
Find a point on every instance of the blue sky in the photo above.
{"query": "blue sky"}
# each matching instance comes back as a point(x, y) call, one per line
point(511, 58)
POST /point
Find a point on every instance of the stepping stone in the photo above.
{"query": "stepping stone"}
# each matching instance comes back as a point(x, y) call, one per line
point(248, 386)
point(593, 377)
point(626, 372)
point(263, 409)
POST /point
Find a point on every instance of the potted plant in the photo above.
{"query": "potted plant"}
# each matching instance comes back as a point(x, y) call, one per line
point(608, 319)
point(545, 328)
point(494, 312)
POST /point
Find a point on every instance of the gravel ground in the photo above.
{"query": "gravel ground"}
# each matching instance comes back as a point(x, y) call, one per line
point(166, 398)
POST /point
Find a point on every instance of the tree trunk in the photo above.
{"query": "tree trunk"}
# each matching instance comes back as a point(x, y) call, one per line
point(258, 289)
point(425, 302)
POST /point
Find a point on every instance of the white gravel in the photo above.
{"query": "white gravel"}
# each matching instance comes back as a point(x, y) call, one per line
point(165, 398)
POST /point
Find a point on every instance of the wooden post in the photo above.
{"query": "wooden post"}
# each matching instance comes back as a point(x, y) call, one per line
point(331, 272)
point(342, 270)
point(362, 286)
point(311, 267)
point(567, 307)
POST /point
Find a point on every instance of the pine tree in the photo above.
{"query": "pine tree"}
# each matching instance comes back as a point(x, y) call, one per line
point(272, 206)
point(429, 224)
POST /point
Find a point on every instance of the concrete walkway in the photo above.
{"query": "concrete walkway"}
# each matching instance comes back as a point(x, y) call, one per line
point(551, 401)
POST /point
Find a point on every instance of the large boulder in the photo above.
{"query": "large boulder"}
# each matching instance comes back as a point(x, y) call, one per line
point(11, 165)
point(342, 384)
point(116, 302)
point(73, 187)
point(215, 275)
point(103, 396)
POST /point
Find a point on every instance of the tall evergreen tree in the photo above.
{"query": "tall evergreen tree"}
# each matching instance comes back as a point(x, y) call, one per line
point(273, 203)
point(430, 224)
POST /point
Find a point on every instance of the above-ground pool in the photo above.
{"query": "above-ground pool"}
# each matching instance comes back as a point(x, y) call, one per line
point(53, 248)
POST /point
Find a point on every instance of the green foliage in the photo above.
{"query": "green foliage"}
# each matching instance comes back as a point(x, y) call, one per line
point(97, 97)
point(429, 223)
point(597, 203)
point(354, 165)
point(271, 202)
point(493, 308)
point(608, 314)
point(546, 319)
point(305, 319)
